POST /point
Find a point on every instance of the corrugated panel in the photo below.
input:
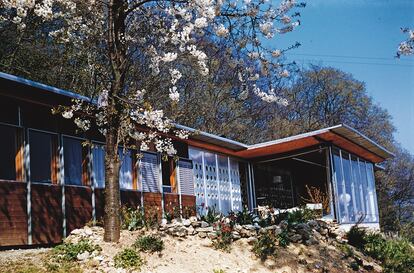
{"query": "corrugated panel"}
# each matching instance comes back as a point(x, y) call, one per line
point(186, 177)
point(150, 173)
point(235, 185)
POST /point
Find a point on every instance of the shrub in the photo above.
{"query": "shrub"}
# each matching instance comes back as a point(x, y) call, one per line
point(218, 271)
point(211, 216)
point(245, 217)
point(149, 244)
point(224, 236)
point(356, 237)
point(374, 244)
point(301, 215)
point(131, 219)
point(69, 251)
point(265, 246)
point(283, 238)
point(128, 259)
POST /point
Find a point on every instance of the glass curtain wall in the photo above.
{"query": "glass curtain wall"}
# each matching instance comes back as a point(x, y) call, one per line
point(354, 186)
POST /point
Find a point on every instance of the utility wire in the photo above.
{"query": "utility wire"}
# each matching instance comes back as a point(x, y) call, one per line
point(346, 56)
point(363, 63)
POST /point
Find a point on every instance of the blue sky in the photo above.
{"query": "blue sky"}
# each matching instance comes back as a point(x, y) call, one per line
point(367, 32)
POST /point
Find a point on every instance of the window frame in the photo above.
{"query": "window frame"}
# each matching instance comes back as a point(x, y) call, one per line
point(19, 164)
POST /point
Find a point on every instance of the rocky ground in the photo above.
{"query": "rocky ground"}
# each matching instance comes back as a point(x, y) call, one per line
point(316, 247)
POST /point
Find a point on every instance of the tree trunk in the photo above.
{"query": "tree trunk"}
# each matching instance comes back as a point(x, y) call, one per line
point(112, 195)
point(117, 57)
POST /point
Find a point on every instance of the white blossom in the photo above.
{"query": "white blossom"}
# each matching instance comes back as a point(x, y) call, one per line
point(276, 53)
point(222, 31)
point(201, 22)
point(67, 114)
point(82, 124)
point(174, 95)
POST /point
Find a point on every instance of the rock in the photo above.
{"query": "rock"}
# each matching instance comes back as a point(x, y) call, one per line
point(186, 222)
point(323, 231)
point(251, 240)
point(164, 222)
point(313, 224)
point(368, 266)
point(295, 238)
point(76, 232)
point(202, 234)
point(179, 232)
point(212, 235)
point(193, 219)
point(269, 263)
point(87, 231)
point(190, 230)
point(237, 227)
point(205, 229)
point(83, 256)
point(249, 227)
point(196, 224)
point(204, 224)
point(235, 235)
point(283, 224)
point(311, 241)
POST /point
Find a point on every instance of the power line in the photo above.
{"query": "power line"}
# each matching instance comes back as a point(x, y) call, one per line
point(363, 63)
point(346, 56)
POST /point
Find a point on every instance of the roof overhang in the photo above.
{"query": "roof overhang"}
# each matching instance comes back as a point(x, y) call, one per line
point(341, 135)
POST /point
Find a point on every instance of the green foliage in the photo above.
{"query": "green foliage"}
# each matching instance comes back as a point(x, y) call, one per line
point(301, 215)
point(132, 219)
point(224, 236)
point(218, 271)
point(211, 216)
point(265, 246)
point(396, 255)
point(347, 250)
point(149, 244)
point(245, 217)
point(69, 251)
point(283, 238)
point(128, 259)
point(356, 237)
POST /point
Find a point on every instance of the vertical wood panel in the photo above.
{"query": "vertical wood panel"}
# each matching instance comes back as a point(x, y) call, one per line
point(47, 215)
point(78, 205)
point(13, 213)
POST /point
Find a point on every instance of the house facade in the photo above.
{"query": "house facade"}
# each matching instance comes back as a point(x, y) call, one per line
point(51, 183)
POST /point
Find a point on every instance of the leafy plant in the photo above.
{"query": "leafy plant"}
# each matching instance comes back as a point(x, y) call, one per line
point(245, 217)
point(218, 271)
point(224, 236)
point(69, 251)
point(356, 237)
point(265, 246)
point(212, 215)
point(131, 219)
point(149, 244)
point(301, 215)
point(128, 259)
point(283, 238)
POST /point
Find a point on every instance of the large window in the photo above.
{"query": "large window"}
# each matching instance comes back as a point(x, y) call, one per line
point(169, 183)
point(355, 188)
point(10, 154)
point(75, 161)
point(43, 159)
point(98, 165)
point(126, 176)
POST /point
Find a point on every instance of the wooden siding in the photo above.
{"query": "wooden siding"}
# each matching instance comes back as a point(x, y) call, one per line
point(172, 204)
point(13, 213)
point(189, 205)
point(131, 199)
point(99, 204)
point(152, 205)
point(78, 205)
point(47, 216)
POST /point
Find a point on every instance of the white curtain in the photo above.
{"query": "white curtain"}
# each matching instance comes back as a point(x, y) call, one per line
point(98, 166)
point(72, 151)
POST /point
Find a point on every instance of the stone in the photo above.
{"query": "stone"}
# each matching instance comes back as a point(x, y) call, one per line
point(251, 240)
point(237, 227)
point(196, 224)
point(323, 231)
point(283, 224)
point(193, 219)
point(87, 231)
point(186, 222)
point(205, 229)
point(249, 227)
point(202, 234)
point(311, 241)
point(180, 232)
point(83, 256)
point(269, 263)
point(204, 224)
point(164, 222)
point(190, 230)
point(212, 235)
point(235, 235)
point(313, 224)
point(295, 238)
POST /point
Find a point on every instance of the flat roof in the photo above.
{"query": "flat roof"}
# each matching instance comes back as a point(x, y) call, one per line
point(341, 135)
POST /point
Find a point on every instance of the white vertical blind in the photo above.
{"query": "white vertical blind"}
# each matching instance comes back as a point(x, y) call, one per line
point(149, 169)
point(185, 174)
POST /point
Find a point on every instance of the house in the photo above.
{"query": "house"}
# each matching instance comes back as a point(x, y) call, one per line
point(51, 184)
